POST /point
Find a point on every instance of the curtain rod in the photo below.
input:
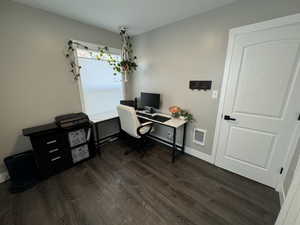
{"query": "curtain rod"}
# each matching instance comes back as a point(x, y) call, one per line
point(96, 47)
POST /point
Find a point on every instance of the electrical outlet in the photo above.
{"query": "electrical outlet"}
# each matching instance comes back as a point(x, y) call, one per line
point(214, 94)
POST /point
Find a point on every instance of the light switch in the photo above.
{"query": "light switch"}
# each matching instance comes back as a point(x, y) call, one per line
point(214, 94)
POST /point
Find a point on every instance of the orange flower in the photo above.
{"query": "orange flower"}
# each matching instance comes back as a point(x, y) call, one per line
point(174, 109)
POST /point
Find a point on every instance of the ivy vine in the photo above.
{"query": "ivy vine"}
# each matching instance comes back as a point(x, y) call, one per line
point(126, 65)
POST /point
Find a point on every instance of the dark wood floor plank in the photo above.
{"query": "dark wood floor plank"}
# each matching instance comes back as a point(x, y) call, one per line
point(115, 189)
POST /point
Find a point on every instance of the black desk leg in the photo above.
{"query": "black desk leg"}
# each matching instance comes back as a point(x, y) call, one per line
point(174, 145)
point(97, 138)
point(183, 138)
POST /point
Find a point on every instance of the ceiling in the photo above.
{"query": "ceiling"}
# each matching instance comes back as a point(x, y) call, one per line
point(138, 15)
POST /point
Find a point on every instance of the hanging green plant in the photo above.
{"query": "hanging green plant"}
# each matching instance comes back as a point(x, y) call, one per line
point(126, 65)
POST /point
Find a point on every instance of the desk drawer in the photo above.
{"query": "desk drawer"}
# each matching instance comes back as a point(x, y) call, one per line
point(58, 163)
point(49, 142)
point(53, 163)
point(52, 160)
point(46, 156)
point(54, 151)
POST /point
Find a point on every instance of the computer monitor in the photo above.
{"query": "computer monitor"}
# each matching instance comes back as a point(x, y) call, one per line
point(150, 100)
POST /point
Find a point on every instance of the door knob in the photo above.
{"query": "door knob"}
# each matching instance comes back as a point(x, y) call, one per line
point(227, 117)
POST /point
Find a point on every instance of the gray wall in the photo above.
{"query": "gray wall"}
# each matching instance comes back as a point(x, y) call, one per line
point(195, 48)
point(35, 82)
point(290, 173)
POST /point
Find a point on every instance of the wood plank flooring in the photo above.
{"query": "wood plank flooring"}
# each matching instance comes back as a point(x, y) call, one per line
point(126, 190)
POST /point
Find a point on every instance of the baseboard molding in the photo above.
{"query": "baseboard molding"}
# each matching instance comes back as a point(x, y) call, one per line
point(190, 151)
point(281, 193)
point(4, 176)
point(199, 155)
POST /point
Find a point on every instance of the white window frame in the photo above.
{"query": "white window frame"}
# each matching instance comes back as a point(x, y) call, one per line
point(94, 47)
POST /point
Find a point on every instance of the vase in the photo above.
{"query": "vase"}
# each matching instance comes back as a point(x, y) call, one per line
point(125, 76)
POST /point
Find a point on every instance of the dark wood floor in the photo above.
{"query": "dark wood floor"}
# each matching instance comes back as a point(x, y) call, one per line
point(125, 190)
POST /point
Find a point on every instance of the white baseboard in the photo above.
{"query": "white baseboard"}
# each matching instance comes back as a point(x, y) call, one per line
point(190, 151)
point(281, 193)
point(198, 154)
point(4, 176)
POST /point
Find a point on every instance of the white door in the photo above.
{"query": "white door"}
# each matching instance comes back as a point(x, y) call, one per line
point(262, 93)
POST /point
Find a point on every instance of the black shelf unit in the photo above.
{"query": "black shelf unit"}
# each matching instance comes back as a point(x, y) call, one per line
point(52, 149)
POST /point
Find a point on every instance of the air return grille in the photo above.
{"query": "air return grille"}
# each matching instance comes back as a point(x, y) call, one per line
point(199, 136)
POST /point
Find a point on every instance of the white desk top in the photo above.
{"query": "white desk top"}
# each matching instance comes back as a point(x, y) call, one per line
point(103, 116)
point(173, 122)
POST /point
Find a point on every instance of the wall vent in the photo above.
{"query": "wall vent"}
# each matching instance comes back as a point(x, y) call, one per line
point(199, 136)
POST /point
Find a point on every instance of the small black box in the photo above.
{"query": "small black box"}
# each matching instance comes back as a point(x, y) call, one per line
point(200, 84)
point(22, 170)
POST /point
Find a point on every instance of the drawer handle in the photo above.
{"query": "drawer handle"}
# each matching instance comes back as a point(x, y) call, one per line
point(56, 158)
point(53, 150)
point(51, 142)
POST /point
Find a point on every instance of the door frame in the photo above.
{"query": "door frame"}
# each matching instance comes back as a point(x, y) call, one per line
point(233, 34)
point(290, 212)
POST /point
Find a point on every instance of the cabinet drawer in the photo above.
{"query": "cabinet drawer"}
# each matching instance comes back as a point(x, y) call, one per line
point(52, 163)
point(55, 159)
point(57, 163)
point(54, 150)
point(50, 139)
point(48, 142)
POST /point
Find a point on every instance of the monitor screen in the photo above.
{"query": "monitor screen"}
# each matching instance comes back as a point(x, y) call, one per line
point(150, 100)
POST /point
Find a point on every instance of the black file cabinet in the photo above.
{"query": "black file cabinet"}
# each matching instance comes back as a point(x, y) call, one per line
point(55, 150)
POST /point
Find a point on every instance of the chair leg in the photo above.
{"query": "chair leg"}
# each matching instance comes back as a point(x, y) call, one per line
point(132, 147)
point(128, 151)
point(143, 147)
point(138, 146)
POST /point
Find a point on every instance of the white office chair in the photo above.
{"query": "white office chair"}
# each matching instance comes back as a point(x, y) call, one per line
point(131, 125)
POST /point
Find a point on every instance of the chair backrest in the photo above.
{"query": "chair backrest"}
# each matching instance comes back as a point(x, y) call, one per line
point(129, 120)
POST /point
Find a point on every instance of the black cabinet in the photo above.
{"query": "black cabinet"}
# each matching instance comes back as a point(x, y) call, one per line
point(56, 149)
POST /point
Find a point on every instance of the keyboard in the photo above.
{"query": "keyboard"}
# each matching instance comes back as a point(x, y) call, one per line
point(159, 118)
point(144, 115)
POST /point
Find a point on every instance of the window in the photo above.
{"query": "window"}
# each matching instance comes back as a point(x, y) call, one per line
point(101, 90)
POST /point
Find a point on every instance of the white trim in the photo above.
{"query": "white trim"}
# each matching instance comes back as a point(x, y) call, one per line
point(281, 193)
point(4, 176)
point(222, 96)
point(96, 118)
point(188, 150)
point(198, 154)
point(80, 88)
point(290, 211)
point(291, 151)
point(95, 47)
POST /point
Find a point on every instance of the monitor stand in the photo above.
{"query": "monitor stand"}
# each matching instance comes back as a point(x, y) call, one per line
point(149, 110)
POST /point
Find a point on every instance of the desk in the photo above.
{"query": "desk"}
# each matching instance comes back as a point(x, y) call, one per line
point(173, 123)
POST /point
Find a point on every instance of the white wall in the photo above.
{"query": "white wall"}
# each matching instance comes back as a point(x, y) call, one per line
point(195, 48)
point(35, 82)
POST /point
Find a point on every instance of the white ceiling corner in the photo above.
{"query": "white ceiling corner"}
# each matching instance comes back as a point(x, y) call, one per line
point(138, 15)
